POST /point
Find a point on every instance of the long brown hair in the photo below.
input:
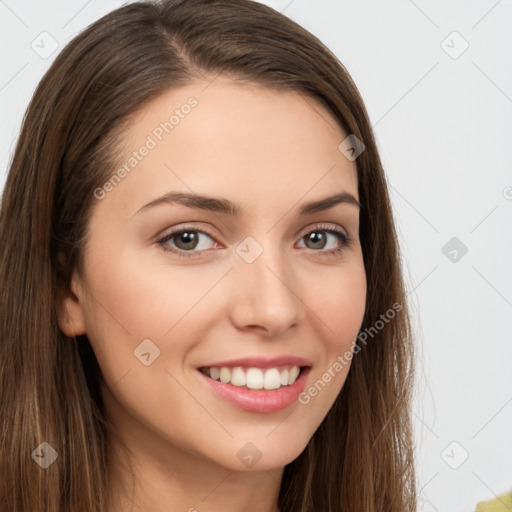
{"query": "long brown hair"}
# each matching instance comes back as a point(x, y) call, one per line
point(361, 457)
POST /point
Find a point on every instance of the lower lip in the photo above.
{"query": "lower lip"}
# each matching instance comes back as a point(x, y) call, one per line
point(259, 400)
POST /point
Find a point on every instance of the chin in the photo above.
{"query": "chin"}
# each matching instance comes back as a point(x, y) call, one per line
point(265, 451)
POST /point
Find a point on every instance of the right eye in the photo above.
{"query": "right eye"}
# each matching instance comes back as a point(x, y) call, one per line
point(185, 242)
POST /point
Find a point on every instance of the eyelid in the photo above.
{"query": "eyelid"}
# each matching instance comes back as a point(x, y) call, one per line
point(184, 227)
point(323, 226)
point(319, 226)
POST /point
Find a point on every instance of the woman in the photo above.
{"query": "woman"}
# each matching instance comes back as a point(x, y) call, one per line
point(202, 303)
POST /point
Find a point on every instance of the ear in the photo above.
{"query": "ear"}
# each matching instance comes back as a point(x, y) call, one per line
point(70, 308)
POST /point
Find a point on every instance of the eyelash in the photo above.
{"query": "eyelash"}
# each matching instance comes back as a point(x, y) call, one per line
point(341, 235)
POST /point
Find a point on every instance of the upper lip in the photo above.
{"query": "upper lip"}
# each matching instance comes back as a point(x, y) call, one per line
point(262, 362)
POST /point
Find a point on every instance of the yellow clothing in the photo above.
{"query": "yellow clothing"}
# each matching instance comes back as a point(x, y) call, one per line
point(500, 504)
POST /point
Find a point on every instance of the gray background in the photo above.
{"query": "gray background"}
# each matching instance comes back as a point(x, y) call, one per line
point(443, 120)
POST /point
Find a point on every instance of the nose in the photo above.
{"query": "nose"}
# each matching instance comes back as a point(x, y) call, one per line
point(266, 295)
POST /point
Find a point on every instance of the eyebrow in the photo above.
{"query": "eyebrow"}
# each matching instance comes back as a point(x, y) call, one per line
point(227, 207)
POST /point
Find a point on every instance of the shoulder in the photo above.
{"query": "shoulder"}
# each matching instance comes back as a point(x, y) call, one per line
point(499, 504)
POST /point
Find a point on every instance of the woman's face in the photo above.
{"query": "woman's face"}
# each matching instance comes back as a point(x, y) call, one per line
point(245, 295)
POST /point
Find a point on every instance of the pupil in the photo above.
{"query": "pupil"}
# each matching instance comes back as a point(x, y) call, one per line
point(317, 238)
point(188, 238)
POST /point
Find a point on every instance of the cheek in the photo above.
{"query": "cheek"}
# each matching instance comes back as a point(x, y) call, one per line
point(131, 301)
point(337, 310)
point(339, 303)
point(146, 300)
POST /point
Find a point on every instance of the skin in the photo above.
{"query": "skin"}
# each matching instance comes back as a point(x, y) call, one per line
point(269, 151)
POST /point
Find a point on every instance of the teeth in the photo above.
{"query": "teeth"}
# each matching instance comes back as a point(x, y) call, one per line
point(225, 375)
point(272, 379)
point(294, 373)
point(255, 378)
point(238, 377)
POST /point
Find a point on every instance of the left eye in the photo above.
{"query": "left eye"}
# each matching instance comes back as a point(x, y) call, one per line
point(319, 237)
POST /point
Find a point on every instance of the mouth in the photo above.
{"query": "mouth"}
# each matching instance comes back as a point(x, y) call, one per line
point(253, 377)
point(256, 389)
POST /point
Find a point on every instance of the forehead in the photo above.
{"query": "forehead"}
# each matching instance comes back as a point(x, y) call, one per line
point(237, 140)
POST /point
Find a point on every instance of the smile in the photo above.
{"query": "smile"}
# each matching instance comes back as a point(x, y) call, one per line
point(257, 385)
point(253, 377)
